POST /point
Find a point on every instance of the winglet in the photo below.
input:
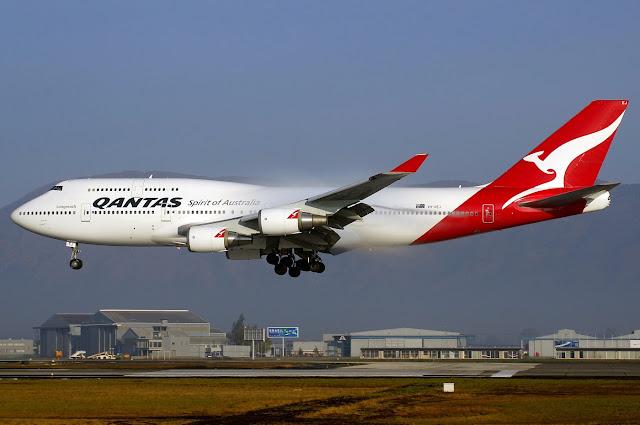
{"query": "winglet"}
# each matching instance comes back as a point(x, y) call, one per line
point(412, 165)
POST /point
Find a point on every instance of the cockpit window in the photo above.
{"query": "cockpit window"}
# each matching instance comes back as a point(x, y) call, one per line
point(56, 188)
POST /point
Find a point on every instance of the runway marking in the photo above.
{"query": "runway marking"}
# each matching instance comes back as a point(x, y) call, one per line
point(507, 373)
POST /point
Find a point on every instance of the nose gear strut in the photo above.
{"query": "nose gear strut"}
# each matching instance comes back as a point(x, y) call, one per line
point(75, 263)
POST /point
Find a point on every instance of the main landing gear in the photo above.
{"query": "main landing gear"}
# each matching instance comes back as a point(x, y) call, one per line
point(283, 262)
point(75, 263)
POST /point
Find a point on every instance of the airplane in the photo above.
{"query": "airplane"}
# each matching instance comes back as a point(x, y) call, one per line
point(292, 226)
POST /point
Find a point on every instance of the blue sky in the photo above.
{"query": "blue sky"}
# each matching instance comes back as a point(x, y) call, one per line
point(304, 92)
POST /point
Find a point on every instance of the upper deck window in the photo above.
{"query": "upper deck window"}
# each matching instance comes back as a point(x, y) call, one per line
point(56, 188)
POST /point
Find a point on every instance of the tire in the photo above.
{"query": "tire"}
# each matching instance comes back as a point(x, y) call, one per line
point(294, 272)
point(280, 269)
point(272, 258)
point(316, 267)
point(303, 265)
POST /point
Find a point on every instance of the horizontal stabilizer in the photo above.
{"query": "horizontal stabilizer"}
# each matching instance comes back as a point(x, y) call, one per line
point(569, 198)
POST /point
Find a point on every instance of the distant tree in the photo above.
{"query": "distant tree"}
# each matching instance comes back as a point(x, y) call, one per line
point(316, 351)
point(236, 336)
point(300, 352)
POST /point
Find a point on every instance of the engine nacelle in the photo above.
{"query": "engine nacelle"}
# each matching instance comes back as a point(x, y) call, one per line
point(600, 202)
point(285, 221)
point(214, 239)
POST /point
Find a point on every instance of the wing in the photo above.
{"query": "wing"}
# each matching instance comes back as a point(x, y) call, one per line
point(341, 207)
point(336, 202)
point(356, 192)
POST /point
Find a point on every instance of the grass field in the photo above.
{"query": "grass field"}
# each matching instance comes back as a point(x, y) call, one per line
point(318, 401)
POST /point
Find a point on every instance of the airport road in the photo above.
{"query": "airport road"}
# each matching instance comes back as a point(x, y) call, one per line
point(368, 370)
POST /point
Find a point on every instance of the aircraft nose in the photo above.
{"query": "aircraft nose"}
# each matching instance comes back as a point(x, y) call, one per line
point(14, 216)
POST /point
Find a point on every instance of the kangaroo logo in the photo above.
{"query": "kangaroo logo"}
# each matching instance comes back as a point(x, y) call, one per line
point(558, 161)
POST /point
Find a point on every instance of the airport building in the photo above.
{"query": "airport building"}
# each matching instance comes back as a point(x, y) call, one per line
point(61, 334)
point(408, 343)
point(568, 344)
point(16, 348)
point(308, 348)
point(144, 333)
point(154, 334)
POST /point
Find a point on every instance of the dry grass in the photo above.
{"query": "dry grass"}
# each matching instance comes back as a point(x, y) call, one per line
point(318, 401)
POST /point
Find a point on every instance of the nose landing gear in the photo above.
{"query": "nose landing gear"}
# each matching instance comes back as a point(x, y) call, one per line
point(75, 263)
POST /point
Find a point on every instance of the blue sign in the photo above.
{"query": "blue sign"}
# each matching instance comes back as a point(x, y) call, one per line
point(282, 332)
point(567, 344)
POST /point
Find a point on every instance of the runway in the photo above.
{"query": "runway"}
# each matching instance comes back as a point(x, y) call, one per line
point(362, 370)
point(370, 370)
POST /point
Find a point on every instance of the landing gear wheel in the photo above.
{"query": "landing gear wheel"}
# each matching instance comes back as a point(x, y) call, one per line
point(287, 261)
point(317, 267)
point(75, 263)
point(280, 269)
point(303, 265)
point(294, 272)
point(272, 258)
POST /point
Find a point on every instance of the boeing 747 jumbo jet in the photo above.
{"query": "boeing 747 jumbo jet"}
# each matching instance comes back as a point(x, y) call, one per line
point(291, 226)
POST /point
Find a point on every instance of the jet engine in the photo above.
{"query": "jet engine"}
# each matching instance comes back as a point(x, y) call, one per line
point(284, 221)
point(214, 239)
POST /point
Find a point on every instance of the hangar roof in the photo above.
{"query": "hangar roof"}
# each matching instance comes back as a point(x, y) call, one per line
point(63, 320)
point(572, 334)
point(404, 332)
point(138, 333)
point(144, 316)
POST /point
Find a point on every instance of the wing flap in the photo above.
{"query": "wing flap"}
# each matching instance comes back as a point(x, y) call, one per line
point(348, 215)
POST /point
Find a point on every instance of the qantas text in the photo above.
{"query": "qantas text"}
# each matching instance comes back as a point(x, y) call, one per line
point(102, 203)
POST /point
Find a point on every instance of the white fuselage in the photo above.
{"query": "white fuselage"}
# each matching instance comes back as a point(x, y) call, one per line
point(149, 212)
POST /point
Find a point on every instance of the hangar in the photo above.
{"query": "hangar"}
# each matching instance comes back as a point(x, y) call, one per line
point(147, 332)
point(409, 343)
point(158, 334)
point(61, 333)
point(568, 344)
